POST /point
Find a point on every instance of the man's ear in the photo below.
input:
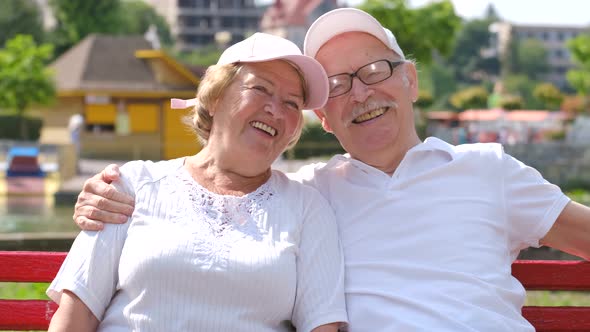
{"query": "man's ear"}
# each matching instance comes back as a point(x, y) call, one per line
point(412, 75)
point(320, 114)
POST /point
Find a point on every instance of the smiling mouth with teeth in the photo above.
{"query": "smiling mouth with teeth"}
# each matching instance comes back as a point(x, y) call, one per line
point(264, 127)
point(370, 115)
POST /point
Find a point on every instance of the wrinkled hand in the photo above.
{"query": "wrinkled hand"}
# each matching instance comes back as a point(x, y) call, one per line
point(99, 202)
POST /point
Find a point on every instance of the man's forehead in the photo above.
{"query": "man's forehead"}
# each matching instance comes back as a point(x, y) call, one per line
point(351, 36)
point(330, 54)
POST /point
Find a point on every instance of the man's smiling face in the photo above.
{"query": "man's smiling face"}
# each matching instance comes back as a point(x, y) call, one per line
point(374, 118)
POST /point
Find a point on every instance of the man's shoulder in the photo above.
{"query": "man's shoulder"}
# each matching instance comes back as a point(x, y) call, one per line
point(309, 173)
point(490, 150)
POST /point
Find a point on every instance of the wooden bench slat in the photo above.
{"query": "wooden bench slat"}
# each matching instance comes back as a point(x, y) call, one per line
point(22, 315)
point(558, 319)
point(28, 266)
point(553, 275)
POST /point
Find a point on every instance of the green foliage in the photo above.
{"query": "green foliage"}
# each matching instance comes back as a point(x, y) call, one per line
point(466, 59)
point(137, 16)
point(425, 99)
point(510, 103)
point(577, 189)
point(532, 59)
point(521, 85)
point(78, 18)
point(23, 290)
point(443, 81)
point(528, 57)
point(314, 142)
point(204, 56)
point(10, 127)
point(579, 48)
point(20, 17)
point(549, 95)
point(557, 298)
point(580, 191)
point(491, 14)
point(419, 31)
point(558, 135)
point(580, 78)
point(470, 98)
point(24, 79)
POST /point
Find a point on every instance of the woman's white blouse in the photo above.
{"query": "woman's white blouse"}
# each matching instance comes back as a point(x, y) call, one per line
point(192, 260)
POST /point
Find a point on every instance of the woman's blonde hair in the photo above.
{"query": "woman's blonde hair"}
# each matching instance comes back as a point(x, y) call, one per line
point(212, 87)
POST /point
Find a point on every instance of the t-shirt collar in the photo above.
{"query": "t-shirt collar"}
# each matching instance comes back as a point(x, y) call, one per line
point(430, 144)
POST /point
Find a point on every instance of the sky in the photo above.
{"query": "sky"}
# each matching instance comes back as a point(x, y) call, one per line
point(554, 12)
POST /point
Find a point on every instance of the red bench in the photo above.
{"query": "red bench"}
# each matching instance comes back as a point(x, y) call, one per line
point(26, 266)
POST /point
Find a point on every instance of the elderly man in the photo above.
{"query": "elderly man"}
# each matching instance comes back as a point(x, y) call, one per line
point(429, 230)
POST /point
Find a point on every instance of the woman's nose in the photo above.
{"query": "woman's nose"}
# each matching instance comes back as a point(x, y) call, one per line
point(273, 107)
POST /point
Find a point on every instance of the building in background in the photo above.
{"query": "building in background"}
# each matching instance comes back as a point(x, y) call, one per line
point(553, 37)
point(121, 87)
point(197, 23)
point(291, 19)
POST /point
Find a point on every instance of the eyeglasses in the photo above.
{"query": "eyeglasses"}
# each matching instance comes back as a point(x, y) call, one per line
point(371, 73)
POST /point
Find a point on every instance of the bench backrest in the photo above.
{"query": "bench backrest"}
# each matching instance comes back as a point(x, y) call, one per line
point(25, 266)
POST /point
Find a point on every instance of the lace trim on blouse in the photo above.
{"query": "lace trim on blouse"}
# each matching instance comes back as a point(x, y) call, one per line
point(217, 222)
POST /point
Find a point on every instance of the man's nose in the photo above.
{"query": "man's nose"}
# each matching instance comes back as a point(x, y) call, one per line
point(359, 91)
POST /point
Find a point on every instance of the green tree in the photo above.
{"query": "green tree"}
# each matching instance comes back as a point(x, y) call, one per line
point(579, 78)
point(491, 14)
point(527, 57)
point(78, 18)
point(521, 85)
point(510, 102)
point(443, 83)
point(137, 16)
point(204, 56)
point(425, 99)
point(470, 98)
point(20, 17)
point(549, 95)
point(24, 78)
point(467, 58)
point(532, 59)
point(420, 31)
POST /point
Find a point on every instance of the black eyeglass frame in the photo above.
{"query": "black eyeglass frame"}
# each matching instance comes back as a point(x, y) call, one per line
point(392, 65)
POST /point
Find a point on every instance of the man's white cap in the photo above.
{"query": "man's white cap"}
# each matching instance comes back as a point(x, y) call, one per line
point(262, 47)
point(339, 21)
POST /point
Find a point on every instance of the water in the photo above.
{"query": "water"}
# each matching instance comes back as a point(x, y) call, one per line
point(34, 214)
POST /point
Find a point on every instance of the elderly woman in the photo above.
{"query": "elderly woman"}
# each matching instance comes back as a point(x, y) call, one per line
point(218, 241)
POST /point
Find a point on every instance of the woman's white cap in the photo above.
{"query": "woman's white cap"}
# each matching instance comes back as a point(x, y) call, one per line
point(262, 47)
point(339, 21)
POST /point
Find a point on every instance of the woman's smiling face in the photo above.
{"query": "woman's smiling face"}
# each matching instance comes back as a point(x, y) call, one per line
point(259, 114)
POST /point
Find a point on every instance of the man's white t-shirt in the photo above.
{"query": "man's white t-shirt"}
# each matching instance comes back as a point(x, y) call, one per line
point(430, 248)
